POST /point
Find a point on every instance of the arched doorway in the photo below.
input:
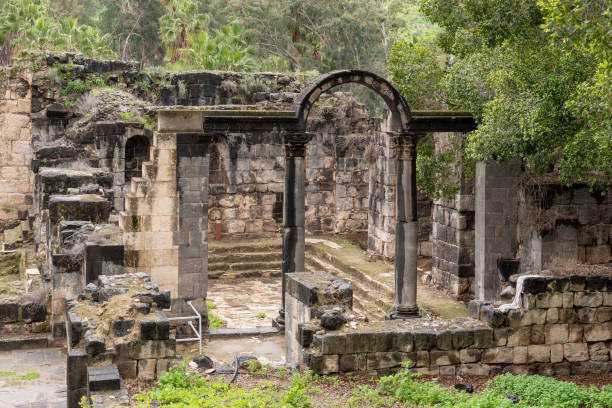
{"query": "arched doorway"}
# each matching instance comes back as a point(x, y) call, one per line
point(136, 152)
point(404, 146)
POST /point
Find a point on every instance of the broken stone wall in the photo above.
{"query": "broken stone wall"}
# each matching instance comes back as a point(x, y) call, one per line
point(564, 327)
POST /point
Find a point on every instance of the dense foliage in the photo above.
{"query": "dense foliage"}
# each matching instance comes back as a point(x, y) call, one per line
point(178, 388)
point(30, 26)
point(536, 74)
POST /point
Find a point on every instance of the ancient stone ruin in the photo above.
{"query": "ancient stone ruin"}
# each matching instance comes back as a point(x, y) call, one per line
point(109, 200)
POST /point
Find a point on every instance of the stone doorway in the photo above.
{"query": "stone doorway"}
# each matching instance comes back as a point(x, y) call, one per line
point(136, 152)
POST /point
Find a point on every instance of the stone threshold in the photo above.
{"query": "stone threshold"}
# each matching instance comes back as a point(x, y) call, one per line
point(23, 343)
point(244, 332)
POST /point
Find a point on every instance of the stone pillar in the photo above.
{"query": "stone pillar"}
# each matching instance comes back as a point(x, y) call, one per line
point(496, 220)
point(294, 238)
point(406, 229)
point(192, 236)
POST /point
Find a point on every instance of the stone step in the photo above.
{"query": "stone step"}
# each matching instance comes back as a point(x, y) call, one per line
point(374, 302)
point(243, 266)
point(138, 187)
point(230, 258)
point(312, 250)
point(104, 378)
point(136, 205)
point(242, 248)
point(149, 170)
point(80, 207)
point(255, 273)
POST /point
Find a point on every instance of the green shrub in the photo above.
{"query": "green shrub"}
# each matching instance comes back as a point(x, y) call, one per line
point(97, 82)
point(75, 87)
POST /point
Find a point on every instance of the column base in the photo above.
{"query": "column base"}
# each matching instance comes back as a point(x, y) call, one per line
point(279, 321)
point(403, 313)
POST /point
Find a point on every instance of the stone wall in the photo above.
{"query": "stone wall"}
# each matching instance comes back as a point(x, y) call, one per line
point(16, 179)
point(563, 328)
point(563, 225)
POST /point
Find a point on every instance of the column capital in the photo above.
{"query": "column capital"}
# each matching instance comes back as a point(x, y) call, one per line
point(295, 143)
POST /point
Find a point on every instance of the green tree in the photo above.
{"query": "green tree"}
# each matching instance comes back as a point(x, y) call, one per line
point(536, 74)
point(180, 22)
point(29, 26)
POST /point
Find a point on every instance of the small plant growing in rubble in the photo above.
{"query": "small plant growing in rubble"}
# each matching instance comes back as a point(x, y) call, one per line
point(75, 87)
point(126, 115)
point(97, 82)
point(260, 315)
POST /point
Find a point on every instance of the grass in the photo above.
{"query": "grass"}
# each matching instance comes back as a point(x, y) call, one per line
point(260, 315)
point(179, 388)
point(214, 321)
point(23, 377)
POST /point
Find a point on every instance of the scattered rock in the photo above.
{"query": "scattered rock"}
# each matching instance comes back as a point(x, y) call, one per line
point(332, 320)
point(204, 362)
point(513, 397)
point(467, 387)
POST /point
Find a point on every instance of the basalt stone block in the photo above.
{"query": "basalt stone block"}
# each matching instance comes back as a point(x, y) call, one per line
point(324, 364)
point(162, 299)
point(596, 283)
point(148, 330)
point(330, 343)
point(75, 328)
point(558, 284)
point(104, 378)
point(305, 335)
point(474, 308)
point(146, 369)
point(32, 311)
point(402, 340)
point(94, 345)
point(163, 326)
point(380, 360)
point(483, 337)
point(352, 362)
point(577, 283)
point(332, 320)
point(76, 369)
point(122, 327)
point(424, 339)
point(360, 342)
point(598, 332)
point(462, 338)
point(492, 316)
point(444, 340)
point(588, 299)
point(535, 285)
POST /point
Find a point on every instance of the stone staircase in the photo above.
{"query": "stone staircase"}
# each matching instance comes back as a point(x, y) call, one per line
point(245, 260)
point(150, 217)
point(371, 298)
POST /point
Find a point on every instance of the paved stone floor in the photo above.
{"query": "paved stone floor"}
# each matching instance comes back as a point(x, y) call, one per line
point(33, 378)
point(238, 301)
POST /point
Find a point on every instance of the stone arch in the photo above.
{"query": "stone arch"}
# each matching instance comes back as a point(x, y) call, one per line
point(136, 152)
point(396, 103)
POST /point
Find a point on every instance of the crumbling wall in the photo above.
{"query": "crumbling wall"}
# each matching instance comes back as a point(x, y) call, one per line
point(563, 327)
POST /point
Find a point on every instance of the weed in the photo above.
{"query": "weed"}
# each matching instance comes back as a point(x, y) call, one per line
point(75, 87)
point(256, 368)
point(281, 371)
point(143, 86)
point(29, 376)
point(260, 315)
point(214, 322)
point(126, 115)
point(70, 103)
point(7, 373)
point(97, 82)
point(34, 67)
point(182, 90)
point(150, 122)
point(54, 76)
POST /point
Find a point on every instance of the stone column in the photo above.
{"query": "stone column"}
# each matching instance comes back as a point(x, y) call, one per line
point(405, 306)
point(294, 238)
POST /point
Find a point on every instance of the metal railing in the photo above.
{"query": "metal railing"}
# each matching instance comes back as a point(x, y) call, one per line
point(197, 317)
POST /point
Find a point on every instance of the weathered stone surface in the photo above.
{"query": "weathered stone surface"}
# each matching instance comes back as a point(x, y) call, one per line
point(443, 357)
point(424, 339)
point(376, 361)
point(104, 378)
point(128, 368)
point(599, 351)
point(588, 299)
point(324, 364)
point(469, 355)
point(538, 354)
point(332, 320)
point(203, 362)
point(9, 311)
point(462, 338)
point(352, 362)
point(498, 355)
point(520, 355)
point(557, 333)
point(556, 353)
point(146, 369)
point(576, 351)
point(598, 332)
point(492, 316)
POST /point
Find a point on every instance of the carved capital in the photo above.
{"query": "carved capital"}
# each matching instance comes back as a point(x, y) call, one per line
point(405, 145)
point(295, 143)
